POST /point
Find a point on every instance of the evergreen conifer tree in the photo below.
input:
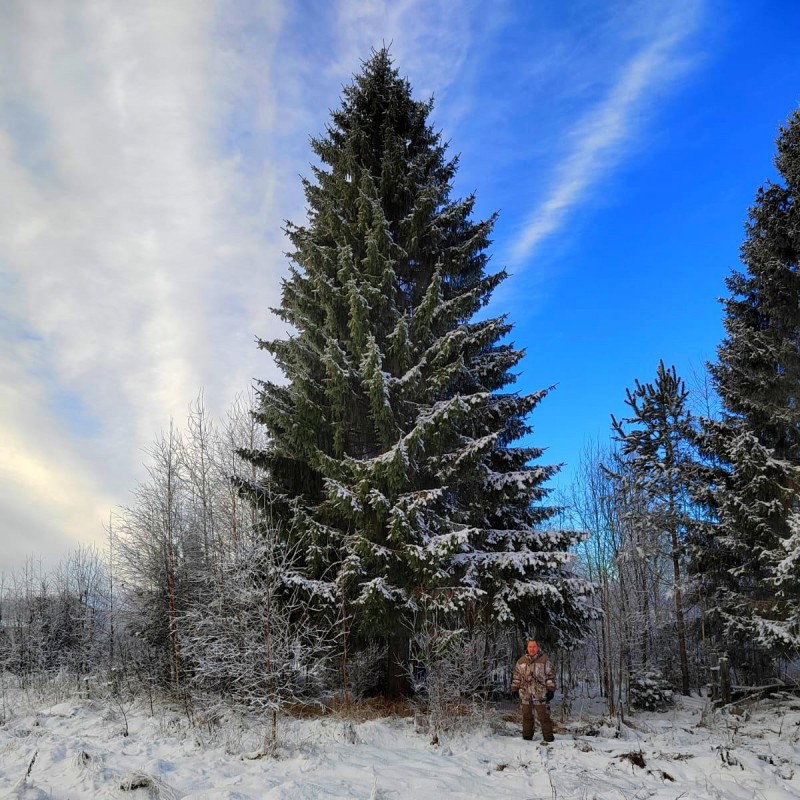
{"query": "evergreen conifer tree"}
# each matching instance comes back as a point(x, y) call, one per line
point(393, 443)
point(753, 550)
point(656, 443)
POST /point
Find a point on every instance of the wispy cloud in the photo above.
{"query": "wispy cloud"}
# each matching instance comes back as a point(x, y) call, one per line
point(602, 137)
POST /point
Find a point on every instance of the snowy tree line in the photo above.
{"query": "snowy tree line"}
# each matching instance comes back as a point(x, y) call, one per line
point(379, 521)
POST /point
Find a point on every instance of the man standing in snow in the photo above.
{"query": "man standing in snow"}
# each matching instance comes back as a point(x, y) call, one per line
point(535, 679)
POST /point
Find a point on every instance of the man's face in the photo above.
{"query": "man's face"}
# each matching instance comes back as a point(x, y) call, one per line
point(532, 648)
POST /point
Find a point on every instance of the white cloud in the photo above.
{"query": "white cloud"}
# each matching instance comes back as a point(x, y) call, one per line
point(128, 263)
point(50, 495)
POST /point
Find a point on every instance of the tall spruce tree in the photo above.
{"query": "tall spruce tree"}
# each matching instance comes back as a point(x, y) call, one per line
point(753, 551)
point(392, 445)
point(656, 441)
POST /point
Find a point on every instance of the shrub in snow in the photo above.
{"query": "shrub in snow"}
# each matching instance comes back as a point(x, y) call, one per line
point(649, 691)
point(364, 669)
point(448, 675)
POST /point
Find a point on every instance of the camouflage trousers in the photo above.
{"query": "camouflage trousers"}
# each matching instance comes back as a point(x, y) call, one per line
point(528, 723)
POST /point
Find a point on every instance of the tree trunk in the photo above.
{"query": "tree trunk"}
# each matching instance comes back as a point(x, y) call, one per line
point(608, 669)
point(397, 684)
point(684, 660)
point(172, 621)
point(725, 680)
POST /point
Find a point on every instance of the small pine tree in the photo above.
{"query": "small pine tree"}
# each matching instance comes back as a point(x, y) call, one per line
point(754, 543)
point(392, 444)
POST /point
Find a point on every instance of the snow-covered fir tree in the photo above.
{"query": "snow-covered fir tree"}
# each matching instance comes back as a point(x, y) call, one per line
point(752, 553)
point(394, 443)
point(656, 441)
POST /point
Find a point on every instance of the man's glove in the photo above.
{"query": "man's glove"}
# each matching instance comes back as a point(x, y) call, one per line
point(550, 695)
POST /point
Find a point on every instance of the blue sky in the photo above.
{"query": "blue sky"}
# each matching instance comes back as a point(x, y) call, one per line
point(150, 152)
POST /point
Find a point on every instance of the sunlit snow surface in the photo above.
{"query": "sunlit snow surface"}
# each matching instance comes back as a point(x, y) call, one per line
point(81, 752)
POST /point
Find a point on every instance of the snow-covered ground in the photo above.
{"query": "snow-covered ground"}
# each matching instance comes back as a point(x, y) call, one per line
point(76, 748)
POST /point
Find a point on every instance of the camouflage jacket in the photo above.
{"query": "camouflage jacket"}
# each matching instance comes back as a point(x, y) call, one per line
point(533, 677)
